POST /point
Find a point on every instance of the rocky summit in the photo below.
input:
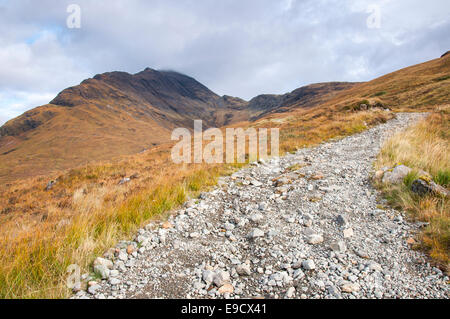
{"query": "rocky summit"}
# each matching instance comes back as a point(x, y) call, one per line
point(306, 238)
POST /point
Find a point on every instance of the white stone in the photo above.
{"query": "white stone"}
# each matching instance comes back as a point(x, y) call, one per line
point(290, 292)
point(256, 232)
point(114, 281)
point(314, 239)
point(348, 232)
point(338, 246)
point(309, 264)
point(221, 278)
point(102, 271)
point(244, 270)
point(105, 262)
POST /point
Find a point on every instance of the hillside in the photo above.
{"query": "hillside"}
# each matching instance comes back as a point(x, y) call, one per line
point(416, 88)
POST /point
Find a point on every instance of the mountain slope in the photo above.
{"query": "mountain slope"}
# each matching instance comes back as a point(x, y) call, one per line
point(416, 87)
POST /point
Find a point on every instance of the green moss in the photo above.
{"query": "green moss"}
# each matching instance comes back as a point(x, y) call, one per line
point(425, 178)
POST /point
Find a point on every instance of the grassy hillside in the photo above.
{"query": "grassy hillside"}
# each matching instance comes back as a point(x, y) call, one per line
point(419, 87)
point(73, 137)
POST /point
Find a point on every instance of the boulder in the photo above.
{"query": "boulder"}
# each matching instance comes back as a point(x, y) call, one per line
point(422, 187)
point(396, 175)
point(102, 271)
point(104, 262)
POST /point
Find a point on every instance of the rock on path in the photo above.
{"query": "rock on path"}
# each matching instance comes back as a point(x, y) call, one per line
point(318, 234)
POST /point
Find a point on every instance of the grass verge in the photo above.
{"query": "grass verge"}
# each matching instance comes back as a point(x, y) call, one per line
point(424, 146)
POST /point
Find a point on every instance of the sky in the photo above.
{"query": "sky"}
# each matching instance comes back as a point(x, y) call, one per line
point(235, 47)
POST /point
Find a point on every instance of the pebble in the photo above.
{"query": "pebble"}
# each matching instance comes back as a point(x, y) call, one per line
point(256, 232)
point(244, 270)
point(226, 288)
point(338, 246)
point(349, 287)
point(314, 239)
point(348, 232)
point(309, 264)
point(221, 278)
point(290, 292)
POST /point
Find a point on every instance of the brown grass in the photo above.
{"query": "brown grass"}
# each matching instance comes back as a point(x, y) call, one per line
point(425, 146)
point(85, 213)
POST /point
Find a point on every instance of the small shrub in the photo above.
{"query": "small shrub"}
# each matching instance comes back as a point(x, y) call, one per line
point(409, 179)
point(379, 93)
point(442, 78)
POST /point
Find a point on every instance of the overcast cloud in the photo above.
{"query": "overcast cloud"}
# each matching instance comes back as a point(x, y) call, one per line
point(236, 47)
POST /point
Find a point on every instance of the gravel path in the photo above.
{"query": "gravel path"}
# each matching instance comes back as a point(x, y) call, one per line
point(276, 231)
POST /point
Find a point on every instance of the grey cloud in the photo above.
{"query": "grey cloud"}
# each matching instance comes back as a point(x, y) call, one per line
point(241, 48)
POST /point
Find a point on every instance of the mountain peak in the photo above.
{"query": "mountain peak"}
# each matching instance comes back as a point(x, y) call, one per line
point(165, 90)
